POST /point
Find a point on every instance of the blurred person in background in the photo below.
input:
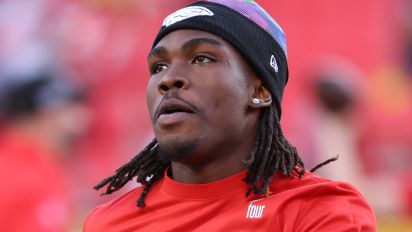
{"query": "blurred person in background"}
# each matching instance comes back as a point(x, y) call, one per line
point(335, 121)
point(339, 92)
point(42, 117)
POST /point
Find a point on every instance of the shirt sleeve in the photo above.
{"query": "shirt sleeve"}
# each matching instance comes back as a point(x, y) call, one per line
point(335, 207)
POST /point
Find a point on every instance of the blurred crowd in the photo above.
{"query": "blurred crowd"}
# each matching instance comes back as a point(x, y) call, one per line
point(72, 100)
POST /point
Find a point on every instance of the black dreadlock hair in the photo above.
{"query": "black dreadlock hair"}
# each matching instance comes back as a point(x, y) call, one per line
point(272, 153)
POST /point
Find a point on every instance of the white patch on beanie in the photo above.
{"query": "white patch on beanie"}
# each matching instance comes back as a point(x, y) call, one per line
point(274, 63)
point(185, 13)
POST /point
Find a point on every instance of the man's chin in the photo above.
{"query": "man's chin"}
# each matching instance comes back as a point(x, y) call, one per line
point(176, 150)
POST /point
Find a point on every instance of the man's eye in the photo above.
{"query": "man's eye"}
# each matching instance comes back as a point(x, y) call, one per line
point(157, 68)
point(202, 59)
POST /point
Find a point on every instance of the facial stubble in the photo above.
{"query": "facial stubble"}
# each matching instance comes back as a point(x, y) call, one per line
point(177, 151)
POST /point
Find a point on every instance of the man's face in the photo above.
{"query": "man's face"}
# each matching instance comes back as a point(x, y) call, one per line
point(199, 95)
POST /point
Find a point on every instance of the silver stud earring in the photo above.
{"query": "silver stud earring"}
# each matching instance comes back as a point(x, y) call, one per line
point(256, 101)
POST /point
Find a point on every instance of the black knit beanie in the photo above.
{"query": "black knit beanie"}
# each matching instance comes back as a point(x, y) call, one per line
point(248, 28)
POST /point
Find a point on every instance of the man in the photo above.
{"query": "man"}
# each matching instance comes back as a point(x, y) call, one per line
point(42, 117)
point(219, 160)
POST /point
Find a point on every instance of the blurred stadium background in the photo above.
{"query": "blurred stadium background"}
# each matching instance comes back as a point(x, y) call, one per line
point(72, 97)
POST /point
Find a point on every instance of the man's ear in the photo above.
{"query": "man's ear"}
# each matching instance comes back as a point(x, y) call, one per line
point(261, 97)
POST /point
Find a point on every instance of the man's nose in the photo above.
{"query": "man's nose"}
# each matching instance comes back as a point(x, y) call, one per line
point(172, 81)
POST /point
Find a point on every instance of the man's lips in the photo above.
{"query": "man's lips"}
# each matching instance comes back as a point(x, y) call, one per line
point(173, 110)
point(173, 118)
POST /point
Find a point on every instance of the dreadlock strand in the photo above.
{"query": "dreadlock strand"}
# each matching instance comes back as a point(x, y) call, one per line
point(283, 165)
point(258, 144)
point(290, 160)
point(126, 172)
point(253, 175)
point(141, 200)
point(154, 178)
point(262, 173)
point(256, 149)
point(247, 162)
point(324, 163)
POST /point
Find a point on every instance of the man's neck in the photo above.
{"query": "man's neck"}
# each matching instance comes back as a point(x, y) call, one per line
point(224, 165)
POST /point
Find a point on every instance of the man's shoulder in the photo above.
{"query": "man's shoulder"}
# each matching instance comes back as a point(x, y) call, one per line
point(322, 203)
point(307, 182)
point(312, 188)
point(100, 214)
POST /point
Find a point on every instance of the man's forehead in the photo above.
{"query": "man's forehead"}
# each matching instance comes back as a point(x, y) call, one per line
point(183, 35)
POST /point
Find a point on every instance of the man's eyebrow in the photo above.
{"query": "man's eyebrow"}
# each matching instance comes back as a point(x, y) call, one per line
point(194, 43)
point(157, 51)
point(189, 45)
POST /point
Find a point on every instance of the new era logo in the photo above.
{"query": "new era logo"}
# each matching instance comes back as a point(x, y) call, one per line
point(274, 63)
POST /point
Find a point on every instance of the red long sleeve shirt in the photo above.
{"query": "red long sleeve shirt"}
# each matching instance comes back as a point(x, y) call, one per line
point(307, 204)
